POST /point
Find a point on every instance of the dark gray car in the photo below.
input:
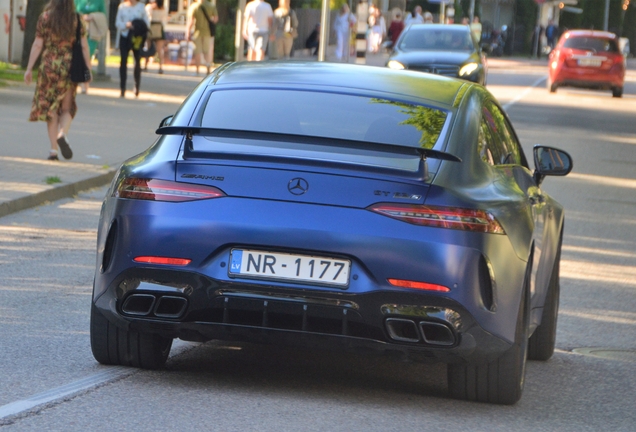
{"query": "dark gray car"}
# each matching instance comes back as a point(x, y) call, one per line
point(447, 50)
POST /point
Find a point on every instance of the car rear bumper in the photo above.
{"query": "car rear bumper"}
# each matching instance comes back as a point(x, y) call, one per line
point(193, 307)
point(587, 79)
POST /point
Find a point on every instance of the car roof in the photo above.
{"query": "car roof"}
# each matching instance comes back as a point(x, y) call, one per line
point(590, 33)
point(359, 79)
point(451, 27)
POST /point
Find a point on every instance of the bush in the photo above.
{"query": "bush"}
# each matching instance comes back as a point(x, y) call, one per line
point(224, 42)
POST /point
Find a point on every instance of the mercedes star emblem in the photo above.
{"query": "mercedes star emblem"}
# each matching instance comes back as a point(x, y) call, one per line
point(298, 186)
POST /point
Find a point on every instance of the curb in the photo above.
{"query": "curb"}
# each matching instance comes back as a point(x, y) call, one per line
point(54, 194)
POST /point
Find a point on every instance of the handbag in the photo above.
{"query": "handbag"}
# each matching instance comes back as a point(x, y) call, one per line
point(211, 23)
point(289, 27)
point(149, 49)
point(79, 72)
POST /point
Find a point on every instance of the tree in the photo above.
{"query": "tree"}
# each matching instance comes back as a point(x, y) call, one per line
point(33, 11)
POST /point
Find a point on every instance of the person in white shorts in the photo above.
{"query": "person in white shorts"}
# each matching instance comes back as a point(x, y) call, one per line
point(257, 22)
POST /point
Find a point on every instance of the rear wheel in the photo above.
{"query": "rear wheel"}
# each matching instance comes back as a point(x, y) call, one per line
point(552, 86)
point(500, 381)
point(617, 92)
point(542, 342)
point(114, 346)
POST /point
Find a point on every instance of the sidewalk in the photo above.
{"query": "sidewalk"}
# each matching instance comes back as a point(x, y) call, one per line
point(27, 182)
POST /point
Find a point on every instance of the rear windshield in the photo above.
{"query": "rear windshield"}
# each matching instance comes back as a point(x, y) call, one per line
point(429, 38)
point(595, 44)
point(328, 115)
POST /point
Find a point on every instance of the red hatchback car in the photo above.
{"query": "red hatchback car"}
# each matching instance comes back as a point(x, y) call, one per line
point(589, 59)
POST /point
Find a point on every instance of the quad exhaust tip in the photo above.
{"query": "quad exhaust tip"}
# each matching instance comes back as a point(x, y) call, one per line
point(427, 332)
point(138, 304)
point(152, 305)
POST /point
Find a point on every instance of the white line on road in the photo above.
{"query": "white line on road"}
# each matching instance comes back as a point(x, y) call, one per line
point(59, 393)
point(523, 94)
point(112, 374)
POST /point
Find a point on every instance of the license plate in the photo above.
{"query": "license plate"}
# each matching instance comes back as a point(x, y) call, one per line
point(588, 62)
point(289, 267)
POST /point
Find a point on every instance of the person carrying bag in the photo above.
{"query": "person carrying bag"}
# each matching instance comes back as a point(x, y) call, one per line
point(132, 27)
point(56, 32)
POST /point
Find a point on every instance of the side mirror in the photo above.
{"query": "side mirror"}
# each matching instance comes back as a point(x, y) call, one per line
point(166, 121)
point(550, 161)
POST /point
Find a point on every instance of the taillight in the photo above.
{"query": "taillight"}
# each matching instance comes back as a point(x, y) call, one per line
point(441, 217)
point(418, 285)
point(163, 190)
point(163, 260)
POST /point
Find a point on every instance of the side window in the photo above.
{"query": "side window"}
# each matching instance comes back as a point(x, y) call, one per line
point(509, 151)
point(492, 136)
point(485, 144)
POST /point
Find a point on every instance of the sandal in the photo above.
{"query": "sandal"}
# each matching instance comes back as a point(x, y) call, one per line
point(65, 148)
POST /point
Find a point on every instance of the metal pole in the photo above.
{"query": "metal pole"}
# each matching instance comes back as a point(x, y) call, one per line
point(102, 47)
point(324, 30)
point(537, 31)
point(11, 30)
point(348, 53)
point(238, 34)
point(606, 20)
point(471, 10)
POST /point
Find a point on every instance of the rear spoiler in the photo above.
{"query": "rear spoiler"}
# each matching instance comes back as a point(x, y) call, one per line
point(190, 131)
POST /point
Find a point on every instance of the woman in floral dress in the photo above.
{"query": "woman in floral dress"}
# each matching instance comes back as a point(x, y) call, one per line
point(54, 99)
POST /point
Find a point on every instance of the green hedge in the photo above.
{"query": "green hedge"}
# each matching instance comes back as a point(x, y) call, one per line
point(224, 42)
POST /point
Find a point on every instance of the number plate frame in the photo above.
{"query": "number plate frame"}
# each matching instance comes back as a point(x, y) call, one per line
point(589, 62)
point(288, 267)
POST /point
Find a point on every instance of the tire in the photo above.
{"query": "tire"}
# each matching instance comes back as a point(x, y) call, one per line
point(542, 342)
point(552, 87)
point(500, 381)
point(617, 92)
point(114, 346)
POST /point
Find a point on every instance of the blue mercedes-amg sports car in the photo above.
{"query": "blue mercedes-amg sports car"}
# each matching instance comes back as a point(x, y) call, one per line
point(335, 206)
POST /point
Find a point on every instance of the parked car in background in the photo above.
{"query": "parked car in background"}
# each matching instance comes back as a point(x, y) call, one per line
point(368, 209)
point(588, 59)
point(442, 49)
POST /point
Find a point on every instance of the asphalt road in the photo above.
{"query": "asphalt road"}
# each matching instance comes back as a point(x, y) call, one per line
point(50, 382)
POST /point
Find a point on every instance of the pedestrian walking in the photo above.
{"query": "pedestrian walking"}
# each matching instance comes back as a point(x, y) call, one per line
point(396, 27)
point(257, 23)
point(551, 33)
point(200, 14)
point(374, 35)
point(54, 99)
point(415, 17)
point(475, 30)
point(286, 25)
point(158, 17)
point(132, 28)
point(342, 26)
point(94, 15)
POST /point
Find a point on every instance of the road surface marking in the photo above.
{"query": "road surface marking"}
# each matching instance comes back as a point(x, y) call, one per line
point(113, 373)
point(523, 94)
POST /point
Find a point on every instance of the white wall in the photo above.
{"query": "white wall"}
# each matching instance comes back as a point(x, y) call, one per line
point(10, 31)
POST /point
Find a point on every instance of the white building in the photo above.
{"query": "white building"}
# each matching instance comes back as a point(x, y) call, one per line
point(12, 21)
